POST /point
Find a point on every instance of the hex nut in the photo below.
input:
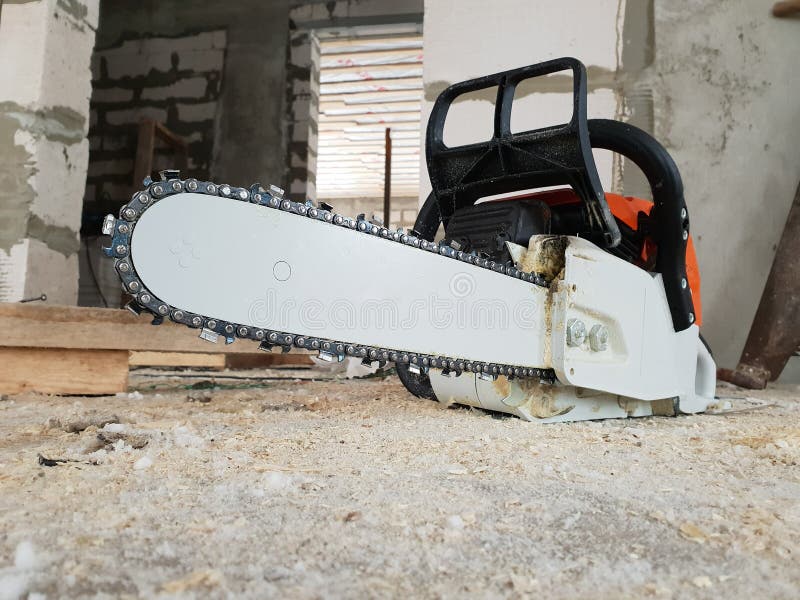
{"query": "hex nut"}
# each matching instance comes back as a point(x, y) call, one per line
point(576, 332)
point(598, 338)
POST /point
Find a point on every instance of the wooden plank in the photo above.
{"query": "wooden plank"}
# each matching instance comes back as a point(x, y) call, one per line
point(169, 138)
point(56, 371)
point(266, 360)
point(52, 326)
point(176, 359)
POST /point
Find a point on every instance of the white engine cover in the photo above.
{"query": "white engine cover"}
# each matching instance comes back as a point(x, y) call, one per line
point(647, 368)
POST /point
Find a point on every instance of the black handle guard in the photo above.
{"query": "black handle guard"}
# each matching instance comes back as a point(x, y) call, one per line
point(669, 218)
point(509, 162)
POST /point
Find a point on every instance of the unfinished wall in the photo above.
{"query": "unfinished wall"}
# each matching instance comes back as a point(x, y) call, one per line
point(249, 142)
point(714, 81)
point(213, 72)
point(45, 48)
point(464, 39)
point(726, 95)
point(173, 80)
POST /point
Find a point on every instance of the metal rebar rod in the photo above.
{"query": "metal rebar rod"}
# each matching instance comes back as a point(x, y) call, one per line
point(387, 179)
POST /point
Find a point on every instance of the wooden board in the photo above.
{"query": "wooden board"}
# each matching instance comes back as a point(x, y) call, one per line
point(87, 350)
point(52, 326)
point(144, 358)
point(265, 360)
point(55, 371)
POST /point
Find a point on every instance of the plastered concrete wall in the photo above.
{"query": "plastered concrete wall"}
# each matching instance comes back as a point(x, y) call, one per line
point(45, 49)
point(726, 91)
point(464, 39)
point(715, 81)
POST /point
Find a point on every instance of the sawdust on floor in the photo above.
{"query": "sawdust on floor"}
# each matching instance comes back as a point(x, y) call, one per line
point(312, 489)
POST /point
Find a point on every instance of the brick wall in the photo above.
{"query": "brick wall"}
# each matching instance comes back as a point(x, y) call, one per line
point(174, 80)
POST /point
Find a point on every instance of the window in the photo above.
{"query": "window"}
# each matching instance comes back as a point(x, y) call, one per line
point(369, 84)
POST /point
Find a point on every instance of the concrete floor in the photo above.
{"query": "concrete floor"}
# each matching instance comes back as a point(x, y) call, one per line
point(313, 489)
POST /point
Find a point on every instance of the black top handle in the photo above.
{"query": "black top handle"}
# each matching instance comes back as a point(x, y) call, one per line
point(509, 162)
point(669, 219)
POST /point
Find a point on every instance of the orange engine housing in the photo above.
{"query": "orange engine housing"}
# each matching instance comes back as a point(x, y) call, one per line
point(627, 209)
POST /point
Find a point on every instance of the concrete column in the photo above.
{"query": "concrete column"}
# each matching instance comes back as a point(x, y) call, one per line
point(45, 51)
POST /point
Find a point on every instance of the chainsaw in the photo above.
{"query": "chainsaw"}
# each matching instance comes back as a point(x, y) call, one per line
point(556, 304)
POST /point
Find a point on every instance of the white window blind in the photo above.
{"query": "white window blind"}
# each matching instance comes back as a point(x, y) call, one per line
point(367, 85)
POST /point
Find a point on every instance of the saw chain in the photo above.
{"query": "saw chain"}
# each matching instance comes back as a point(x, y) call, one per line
point(212, 329)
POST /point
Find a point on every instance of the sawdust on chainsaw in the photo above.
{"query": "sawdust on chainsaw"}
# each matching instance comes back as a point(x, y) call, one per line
point(313, 489)
point(540, 401)
point(545, 255)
